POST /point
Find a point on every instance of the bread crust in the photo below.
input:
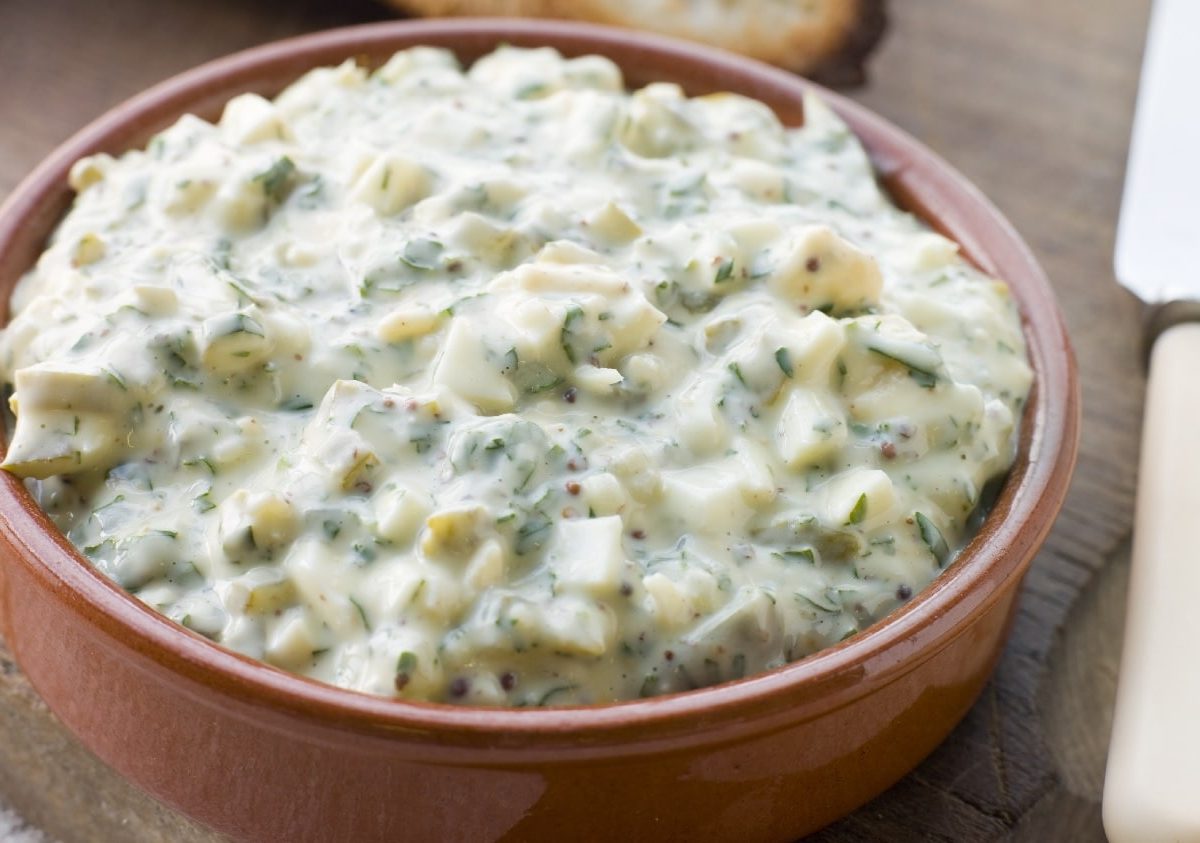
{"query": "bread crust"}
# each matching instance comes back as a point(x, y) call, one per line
point(825, 39)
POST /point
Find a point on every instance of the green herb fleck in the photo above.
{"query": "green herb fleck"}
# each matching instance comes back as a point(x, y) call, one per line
point(784, 358)
point(802, 554)
point(924, 379)
point(933, 539)
point(533, 377)
point(737, 373)
point(116, 379)
point(649, 686)
point(407, 663)
point(275, 179)
point(296, 404)
point(361, 613)
point(422, 253)
point(532, 90)
point(859, 511)
point(200, 461)
point(532, 533)
point(724, 271)
point(827, 601)
point(566, 338)
point(554, 692)
point(511, 362)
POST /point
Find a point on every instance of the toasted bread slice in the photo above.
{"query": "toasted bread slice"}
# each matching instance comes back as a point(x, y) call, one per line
point(826, 39)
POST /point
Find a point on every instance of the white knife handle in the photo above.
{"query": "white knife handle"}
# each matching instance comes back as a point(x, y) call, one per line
point(1152, 786)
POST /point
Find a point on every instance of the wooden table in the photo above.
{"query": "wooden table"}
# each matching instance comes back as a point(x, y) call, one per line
point(1032, 100)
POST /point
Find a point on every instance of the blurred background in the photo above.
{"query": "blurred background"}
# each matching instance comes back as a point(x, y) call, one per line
point(1031, 99)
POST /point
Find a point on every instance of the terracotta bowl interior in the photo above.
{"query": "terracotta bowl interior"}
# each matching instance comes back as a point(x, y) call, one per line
point(918, 180)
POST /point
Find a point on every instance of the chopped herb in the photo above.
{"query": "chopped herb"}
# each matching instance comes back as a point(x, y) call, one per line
point(566, 337)
point(724, 271)
point(859, 511)
point(422, 253)
point(311, 191)
point(511, 362)
point(296, 404)
point(236, 323)
point(221, 252)
point(784, 358)
point(694, 301)
point(532, 533)
point(275, 179)
point(663, 291)
point(116, 379)
point(553, 692)
point(534, 377)
point(924, 379)
point(416, 592)
point(802, 554)
point(361, 613)
point(532, 90)
point(933, 538)
point(737, 373)
point(237, 287)
point(917, 356)
point(531, 469)
point(826, 601)
point(649, 686)
point(407, 663)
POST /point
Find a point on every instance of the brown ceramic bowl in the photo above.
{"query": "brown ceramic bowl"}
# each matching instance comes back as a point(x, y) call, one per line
point(264, 755)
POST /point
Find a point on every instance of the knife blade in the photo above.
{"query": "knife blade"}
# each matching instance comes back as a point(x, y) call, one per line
point(1152, 782)
point(1160, 210)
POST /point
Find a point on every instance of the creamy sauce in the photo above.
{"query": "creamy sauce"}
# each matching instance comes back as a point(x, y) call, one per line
point(507, 386)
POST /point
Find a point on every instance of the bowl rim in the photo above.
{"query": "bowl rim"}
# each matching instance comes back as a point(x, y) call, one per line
point(914, 632)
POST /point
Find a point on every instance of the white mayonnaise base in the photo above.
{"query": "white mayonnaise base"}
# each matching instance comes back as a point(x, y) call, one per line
point(507, 386)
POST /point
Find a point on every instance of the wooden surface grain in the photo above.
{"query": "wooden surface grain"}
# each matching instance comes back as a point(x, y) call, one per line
point(1032, 100)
